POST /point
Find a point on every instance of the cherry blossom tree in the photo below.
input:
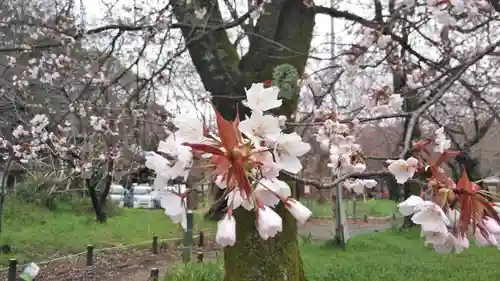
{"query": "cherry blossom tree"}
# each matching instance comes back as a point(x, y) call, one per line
point(388, 43)
point(72, 115)
point(398, 63)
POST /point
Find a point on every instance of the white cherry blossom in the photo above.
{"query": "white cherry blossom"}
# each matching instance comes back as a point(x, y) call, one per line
point(269, 168)
point(265, 191)
point(411, 205)
point(442, 143)
point(484, 238)
point(226, 231)
point(431, 218)
point(435, 237)
point(269, 223)
point(403, 170)
point(355, 186)
point(190, 128)
point(174, 204)
point(450, 244)
point(236, 199)
point(261, 127)
point(453, 216)
point(261, 99)
point(396, 101)
point(219, 181)
point(300, 212)
point(287, 150)
point(491, 226)
point(370, 183)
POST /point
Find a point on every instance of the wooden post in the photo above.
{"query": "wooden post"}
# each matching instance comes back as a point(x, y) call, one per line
point(201, 241)
point(154, 245)
point(188, 237)
point(154, 274)
point(199, 256)
point(90, 255)
point(12, 273)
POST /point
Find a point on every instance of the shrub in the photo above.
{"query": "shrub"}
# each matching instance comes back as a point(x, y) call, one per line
point(26, 194)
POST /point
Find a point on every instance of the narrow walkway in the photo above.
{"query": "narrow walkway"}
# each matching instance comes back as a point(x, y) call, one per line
point(325, 231)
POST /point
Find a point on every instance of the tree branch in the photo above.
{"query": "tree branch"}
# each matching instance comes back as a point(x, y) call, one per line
point(331, 184)
point(442, 90)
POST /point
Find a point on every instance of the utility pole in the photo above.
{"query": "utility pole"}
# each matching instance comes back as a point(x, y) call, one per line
point(340, 229)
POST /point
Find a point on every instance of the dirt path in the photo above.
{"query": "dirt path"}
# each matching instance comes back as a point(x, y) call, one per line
point(323, 229)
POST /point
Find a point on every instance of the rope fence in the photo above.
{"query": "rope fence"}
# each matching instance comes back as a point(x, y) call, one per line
point(155, 245)
point(154, 249)
point(90, 253)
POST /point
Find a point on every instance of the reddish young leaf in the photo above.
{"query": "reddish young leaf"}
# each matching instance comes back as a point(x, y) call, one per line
point(464, 183)
point(242, 179)
point(488, 208)
point(204, 148)
point(227, 132)
point(441, 2)
point(236, 125)
point(474, 207)
point(443, 157)
point(419, 145)
point(467, 207)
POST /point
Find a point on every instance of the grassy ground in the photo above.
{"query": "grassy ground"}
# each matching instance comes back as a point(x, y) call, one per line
point(372, 208)
point(35, 233)
point(387, 256)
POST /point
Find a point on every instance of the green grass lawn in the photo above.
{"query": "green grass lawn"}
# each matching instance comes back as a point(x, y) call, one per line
point(35, 233)
point(372, 208)
point(383, 256)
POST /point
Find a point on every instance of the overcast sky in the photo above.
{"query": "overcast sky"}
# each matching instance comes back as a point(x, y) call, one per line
point(96, 13)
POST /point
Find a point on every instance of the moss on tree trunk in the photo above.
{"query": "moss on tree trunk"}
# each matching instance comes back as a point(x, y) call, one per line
point(253, 259)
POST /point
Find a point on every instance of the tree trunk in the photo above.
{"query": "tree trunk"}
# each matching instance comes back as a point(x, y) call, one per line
point(322, 197)
point(410, 104)
point(282, 35)
point(6, 173)
point(254, 259)
point(471, 165)
point(104, 192)
point(100, 215)
point(2, 202)
point(299, 190)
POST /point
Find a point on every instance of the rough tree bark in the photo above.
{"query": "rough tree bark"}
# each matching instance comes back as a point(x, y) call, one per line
point(100, 214)
point(466, 159)
point(99, 199)
point(410, 104)
point(281, 36)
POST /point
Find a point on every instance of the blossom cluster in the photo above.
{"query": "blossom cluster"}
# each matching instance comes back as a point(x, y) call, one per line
point(454, 211)
point(38, 139)
point(245, 158)
point(337, 138)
